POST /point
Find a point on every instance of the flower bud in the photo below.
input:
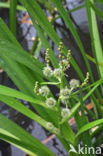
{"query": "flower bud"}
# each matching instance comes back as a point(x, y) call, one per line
point(65, 112)
point(47, 71)
point(51, 102)
point(36, 87)
point(47, 59)
point(74, 83)
point(85, 80)
point(44, 91)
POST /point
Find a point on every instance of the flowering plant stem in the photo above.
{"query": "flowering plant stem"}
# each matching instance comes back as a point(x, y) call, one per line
point(58, 103)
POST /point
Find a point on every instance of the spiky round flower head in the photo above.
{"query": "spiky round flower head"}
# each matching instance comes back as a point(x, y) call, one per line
point(51, 102)
point(47, 71)
point(44, 91)
point(74, 83)
point(56, 131)
point(65, 112)
point(57, 73)
point(65, 93)
point(50, 126)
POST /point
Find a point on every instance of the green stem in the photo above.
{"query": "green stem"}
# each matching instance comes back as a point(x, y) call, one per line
point(37, 51)
point(59, 99)
point(34, 45)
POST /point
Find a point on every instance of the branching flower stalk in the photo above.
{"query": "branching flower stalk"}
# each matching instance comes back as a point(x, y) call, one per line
point(65, 92)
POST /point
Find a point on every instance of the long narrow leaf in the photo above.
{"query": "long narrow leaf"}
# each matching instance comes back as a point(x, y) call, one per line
point(22, 109)
point(12, 16)
point(97, 49)
point(14, 93)
point(89, 126)
point(24, 141)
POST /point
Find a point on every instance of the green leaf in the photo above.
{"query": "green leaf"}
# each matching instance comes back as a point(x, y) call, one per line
point(13, 103)
point(21, 75)
point(99, 2)
point(12, 16)
point(14, 134)
point(21, 57)
point(89, 126)
point(96, 44)
point(97, 11)
point(6, 35)
point(14, 93)
point(26, 86)
point(22, 109)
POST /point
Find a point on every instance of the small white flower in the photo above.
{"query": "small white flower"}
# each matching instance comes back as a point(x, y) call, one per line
point(51, 102)
point(47, 71)
point(44, 91)
point(50, 126)
point(57, 73)
point(74, 83)
point(65, 93)
point(65, 112)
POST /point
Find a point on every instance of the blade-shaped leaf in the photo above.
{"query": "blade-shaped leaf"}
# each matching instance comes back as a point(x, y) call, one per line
point(14, 93)
point(21, 138)
point(89, 126)
point(96, 44)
